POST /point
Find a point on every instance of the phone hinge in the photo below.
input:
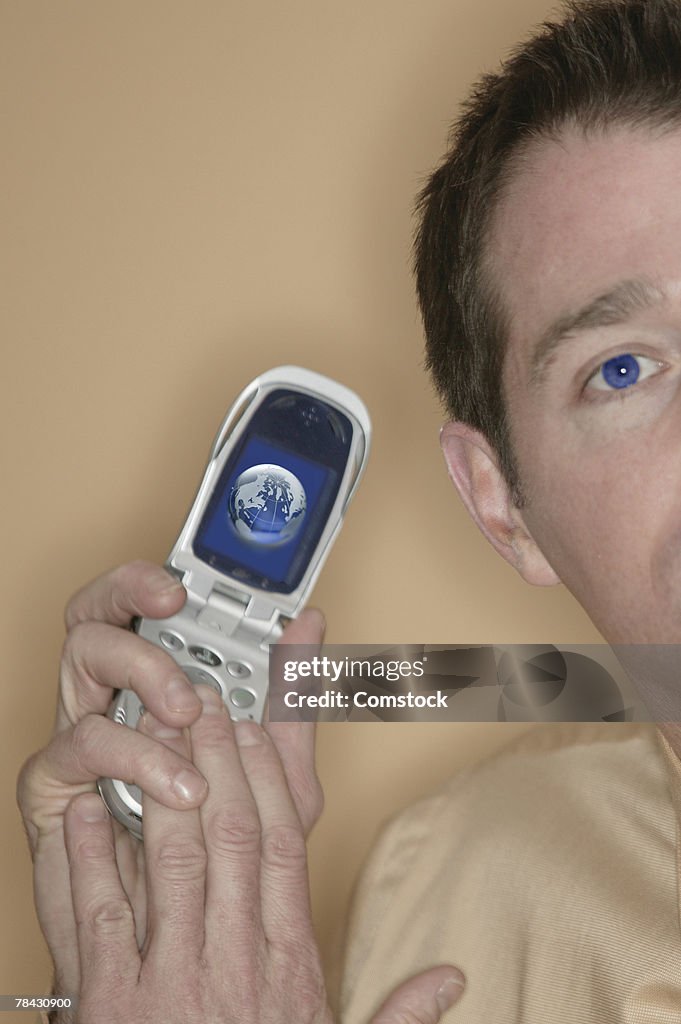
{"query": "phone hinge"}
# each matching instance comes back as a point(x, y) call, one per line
point(251, 621)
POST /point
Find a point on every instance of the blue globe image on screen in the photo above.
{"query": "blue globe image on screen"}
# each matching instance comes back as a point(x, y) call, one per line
point(267, 504)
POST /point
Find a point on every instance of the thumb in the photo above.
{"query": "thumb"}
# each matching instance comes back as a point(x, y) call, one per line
point(423, 999)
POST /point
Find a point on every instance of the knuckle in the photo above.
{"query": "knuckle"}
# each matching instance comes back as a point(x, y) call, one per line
point(117, 585)
point(215, 728)
point(25, 795)
point(125, 577)
point(297, 966)
point(25, 776)
point(157, 766)
point(74, 642)
point(150, 664)
point(86, 737)
point(283, 846)
point(234, 831)
point(314, 801)
point(94, 849)
point(182, 861)
point(151, 763)
point(109, 915)
point(72, 613)
point(309, 797)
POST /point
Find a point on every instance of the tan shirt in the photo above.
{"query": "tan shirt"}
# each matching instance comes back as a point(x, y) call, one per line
point(549, 873)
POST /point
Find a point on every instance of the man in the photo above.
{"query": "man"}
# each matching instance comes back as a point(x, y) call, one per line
point(549, 271)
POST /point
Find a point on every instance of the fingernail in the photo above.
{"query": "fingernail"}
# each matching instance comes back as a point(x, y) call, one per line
point(189, 786)
point(248, 733)
point(163, 583)
point(180, 695)
point(91, 808)
point(211, 700)
point(159, 729)
point(449, 992)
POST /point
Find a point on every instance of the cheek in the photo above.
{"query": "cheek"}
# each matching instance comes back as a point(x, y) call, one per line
point(581, 525)
point(666, 563)
point(604, 506)
point(612, 535)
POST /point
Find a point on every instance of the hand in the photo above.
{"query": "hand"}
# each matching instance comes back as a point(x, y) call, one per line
point(99, 655)
point(229, 938)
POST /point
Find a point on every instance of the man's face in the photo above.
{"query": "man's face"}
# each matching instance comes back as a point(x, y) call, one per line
point(600, 463)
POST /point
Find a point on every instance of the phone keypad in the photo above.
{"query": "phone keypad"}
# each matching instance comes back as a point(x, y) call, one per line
point(170, 640)
point(238, 669)
point(205, 656)
point(197, 675)
point(241, 698)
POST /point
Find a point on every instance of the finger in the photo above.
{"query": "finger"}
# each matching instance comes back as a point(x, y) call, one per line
point(98, 747)
point(308, 629)
point(99, 658)
point(175, 862)
point(424, 998)
point(104, 919)
point(52, 894)
point(49, 780)
point(295, 741)
point(284, 887)
point(138, 588)
point(231, 830)
point(130, 860)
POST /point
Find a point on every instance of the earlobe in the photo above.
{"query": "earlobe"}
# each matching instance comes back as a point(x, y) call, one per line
point(474, 470)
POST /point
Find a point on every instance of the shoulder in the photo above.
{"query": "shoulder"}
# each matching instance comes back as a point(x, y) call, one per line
point(552, 772)
point(566, 808)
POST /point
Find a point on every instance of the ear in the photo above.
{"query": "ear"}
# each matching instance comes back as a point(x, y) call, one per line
point(474, 470)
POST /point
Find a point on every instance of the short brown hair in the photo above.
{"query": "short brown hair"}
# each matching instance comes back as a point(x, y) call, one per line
point(606, 61)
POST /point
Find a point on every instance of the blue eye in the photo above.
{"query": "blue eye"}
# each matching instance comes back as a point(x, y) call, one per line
point(622, 371)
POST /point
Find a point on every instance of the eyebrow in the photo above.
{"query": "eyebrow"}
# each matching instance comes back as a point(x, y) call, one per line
point(615, 306)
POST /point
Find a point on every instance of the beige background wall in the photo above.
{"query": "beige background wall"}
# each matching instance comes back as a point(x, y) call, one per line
point(193, 192)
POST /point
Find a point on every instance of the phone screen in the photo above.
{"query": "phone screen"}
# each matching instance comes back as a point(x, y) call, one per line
point(272, 500)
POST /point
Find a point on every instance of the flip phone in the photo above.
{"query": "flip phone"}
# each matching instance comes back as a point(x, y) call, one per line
point(284, 465)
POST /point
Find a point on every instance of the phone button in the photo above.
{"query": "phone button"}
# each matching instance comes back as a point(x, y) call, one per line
point(197, 675)
point(205, 656)
point(170, 640)
point(238, 669)
point(241, 698)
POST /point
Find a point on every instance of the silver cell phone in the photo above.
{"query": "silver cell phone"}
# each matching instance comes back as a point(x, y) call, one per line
point(284, 465)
